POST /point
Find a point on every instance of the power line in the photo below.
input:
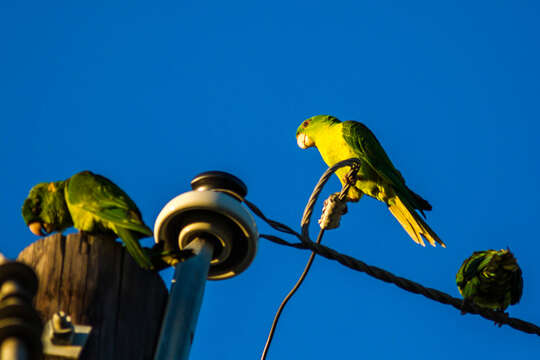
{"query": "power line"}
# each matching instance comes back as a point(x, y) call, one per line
point(307, 244)
point(409, 285)
point(287, 298)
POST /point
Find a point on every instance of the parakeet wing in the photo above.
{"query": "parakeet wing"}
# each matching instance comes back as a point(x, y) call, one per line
point(472, 266)
point(105, 200)
point(368, 149)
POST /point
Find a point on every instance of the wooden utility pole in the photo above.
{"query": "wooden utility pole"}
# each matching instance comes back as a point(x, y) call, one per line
point(95, 281)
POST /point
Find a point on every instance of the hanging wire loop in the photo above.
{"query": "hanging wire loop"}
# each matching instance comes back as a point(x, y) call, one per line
point(308, 211)
point(351, 180)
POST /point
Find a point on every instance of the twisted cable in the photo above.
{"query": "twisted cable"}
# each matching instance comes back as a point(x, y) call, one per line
point(307, 244)
point(409, 285)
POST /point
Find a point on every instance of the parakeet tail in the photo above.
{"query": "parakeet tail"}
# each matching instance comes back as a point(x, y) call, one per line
point(413, 224)
point(420, 203)
point(134, 248)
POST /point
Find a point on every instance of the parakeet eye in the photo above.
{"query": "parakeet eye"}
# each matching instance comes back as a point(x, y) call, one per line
point(305, 123)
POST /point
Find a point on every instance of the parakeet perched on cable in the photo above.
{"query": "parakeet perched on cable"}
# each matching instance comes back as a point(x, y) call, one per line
point(490, 279)
point(377, 177)
point(91, 203)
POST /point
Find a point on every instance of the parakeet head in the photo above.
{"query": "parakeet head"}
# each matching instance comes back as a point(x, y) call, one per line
point(310, 128)
point(45, 209)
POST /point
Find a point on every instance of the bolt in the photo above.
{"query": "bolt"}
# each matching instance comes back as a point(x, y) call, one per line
point(62, 328)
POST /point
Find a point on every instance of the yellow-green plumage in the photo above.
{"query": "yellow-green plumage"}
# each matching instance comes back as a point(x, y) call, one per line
point(377, 176)
point(333, 149)
point(91, 203)
point(491, 279)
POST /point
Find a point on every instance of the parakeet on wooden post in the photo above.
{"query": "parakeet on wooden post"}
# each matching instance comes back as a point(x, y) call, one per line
point(490, 279)
point(90, 203)
point(377, 177)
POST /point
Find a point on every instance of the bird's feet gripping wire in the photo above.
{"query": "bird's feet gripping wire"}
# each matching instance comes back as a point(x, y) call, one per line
point(505, 317)
point(336, 204)
point(467, 305)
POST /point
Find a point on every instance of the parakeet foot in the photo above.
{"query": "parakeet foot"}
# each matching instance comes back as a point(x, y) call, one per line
point(505, 316)
point(351, 178)
point(465, 306)
point(162, 259)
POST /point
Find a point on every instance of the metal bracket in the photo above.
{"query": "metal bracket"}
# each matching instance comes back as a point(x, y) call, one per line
point(63, 338)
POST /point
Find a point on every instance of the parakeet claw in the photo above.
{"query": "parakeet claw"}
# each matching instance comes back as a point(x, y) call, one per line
point(351, 178)
point(464, 307)
point(48, 228)
point(162, 259)
point(504, 314)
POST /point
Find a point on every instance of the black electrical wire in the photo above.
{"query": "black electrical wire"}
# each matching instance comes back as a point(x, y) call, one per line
point(373, 271)
point(288, 297)
point(354, 164)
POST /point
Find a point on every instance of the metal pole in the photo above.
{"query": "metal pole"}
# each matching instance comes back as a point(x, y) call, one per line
point(185, 300)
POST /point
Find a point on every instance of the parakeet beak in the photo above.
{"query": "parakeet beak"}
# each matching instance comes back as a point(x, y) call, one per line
point(36, 228)
point(304, 141)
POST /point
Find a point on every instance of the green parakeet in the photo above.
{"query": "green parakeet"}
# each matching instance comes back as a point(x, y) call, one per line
point(91, 203)
point(490, 279)
point(377, 176)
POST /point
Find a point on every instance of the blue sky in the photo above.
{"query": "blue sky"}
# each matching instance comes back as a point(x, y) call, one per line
point(151, 95)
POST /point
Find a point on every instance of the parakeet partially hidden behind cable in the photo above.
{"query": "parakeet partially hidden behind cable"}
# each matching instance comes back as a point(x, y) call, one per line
point(490, 279)
point(377, 177)
point(90, 203)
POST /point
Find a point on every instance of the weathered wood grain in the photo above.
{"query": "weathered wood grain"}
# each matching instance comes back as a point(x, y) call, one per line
point(93, 279)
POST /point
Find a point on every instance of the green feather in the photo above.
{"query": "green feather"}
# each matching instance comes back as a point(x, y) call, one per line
point(91, 203)
point(46, 203)
point(132, 245)
point(490, 279)
point(377, 176)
